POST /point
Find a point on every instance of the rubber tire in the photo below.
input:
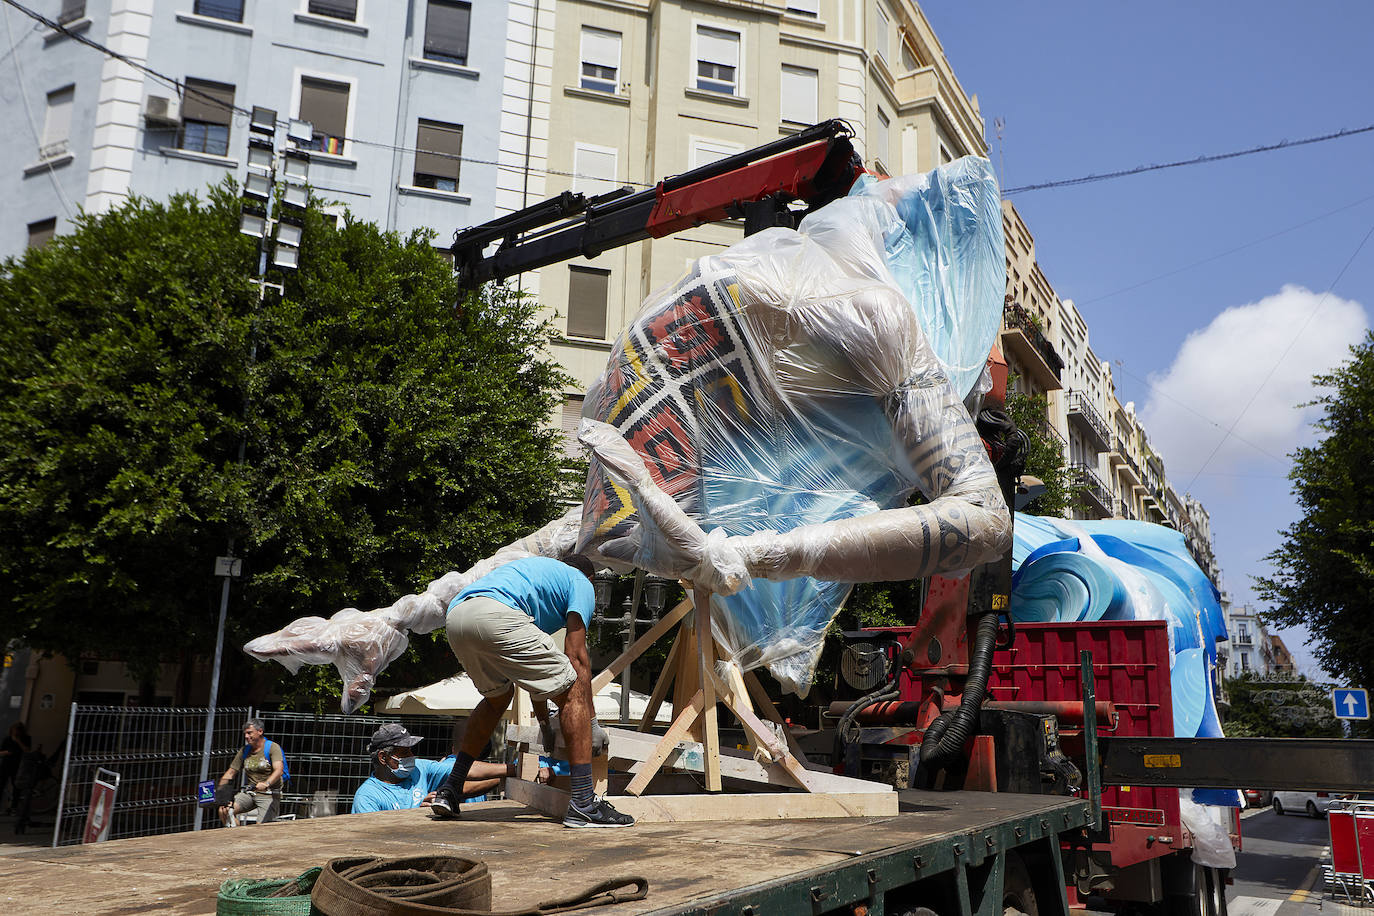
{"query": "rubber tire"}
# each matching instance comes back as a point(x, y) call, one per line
point(1195, 904)
point(1018, 895)
point(1278, 807)
point(1312, 809)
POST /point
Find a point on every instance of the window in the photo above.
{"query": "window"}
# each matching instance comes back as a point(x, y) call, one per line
point(437, 148)
point(588, 290)
point(57, 127)
point(325, 105)
point(206, 111)
point(945, 157)
point(799, 94)
point(41, 232)
point(909, 61)
point(1245, 661)
point(446, 31)
point(72, 10)
point(334, 9)
point(571, 420)
point(717, 60)
point(594, 169)
point(231, 10)
point(600, 60)
point(882, 138)
point(705, 152)
point(884, 30)
point(804, 7)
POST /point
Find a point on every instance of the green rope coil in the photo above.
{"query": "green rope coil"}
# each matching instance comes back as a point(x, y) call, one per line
point(274, 897)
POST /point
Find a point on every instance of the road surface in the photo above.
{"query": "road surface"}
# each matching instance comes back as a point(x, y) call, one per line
point(1279, 863)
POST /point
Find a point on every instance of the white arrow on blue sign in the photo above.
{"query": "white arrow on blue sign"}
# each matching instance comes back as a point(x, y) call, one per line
point(1350, 702)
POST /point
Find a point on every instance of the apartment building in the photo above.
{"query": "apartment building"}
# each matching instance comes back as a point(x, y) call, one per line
point(1250, 648)
point(640, 90)
point(402, 97)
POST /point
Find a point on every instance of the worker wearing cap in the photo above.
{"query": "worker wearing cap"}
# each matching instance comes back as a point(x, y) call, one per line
point(500, 629)
point(401, 780)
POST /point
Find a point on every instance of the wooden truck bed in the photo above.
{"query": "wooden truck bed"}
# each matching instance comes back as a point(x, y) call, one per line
point(772, 866)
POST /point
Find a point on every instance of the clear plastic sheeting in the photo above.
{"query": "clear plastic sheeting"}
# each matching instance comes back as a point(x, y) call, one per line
point(1211, 840)
point(785, 403)
point(360, 644)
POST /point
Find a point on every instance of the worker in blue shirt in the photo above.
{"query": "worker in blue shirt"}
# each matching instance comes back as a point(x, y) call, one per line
point(500, 629)
point(401, 780)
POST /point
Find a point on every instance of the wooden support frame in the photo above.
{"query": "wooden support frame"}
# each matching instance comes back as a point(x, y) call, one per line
point(692, 741)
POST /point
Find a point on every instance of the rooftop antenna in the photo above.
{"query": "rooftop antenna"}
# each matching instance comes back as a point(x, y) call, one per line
point(1000, 123)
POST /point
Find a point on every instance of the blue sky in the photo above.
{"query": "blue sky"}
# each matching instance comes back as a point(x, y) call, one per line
point(1201, 348)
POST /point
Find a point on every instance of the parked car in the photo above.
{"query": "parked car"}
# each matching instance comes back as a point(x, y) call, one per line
point(1314, 804)
point(1258, 798)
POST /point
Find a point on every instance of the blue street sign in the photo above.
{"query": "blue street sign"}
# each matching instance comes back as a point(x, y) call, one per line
point(1350, 702)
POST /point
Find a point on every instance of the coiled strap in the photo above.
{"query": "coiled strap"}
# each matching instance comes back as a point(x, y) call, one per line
point(440, 886)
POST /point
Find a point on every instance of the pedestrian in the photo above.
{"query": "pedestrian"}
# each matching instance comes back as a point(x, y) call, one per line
point(16, 744)
point(401, 780)
point(262, 763)
point(500, 629)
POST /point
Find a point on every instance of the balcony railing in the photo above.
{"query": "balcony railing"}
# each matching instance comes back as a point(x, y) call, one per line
point(1083, 411)
point(1120, 448)
point(1124, 510)
point(1243, 639)
point(1083, 477)
point(1018, 318)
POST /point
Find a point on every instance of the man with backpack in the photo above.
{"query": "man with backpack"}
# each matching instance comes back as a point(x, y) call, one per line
point(264, 768)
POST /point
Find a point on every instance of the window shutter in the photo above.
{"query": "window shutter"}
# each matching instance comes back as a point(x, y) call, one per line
point(705, 152)
point(571, 420)
point(601, 47)
point(446, 30)
point(41, 232)
point(438, 137)
point(806, 7)
point(335, 9)
point(799, 94)
point(58, 125)
point(594, 170)
point(717, 46)
point(588, 289)
point(325, 105)
point(196, 107)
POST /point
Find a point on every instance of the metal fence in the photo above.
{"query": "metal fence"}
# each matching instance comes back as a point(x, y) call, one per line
point(157, 753)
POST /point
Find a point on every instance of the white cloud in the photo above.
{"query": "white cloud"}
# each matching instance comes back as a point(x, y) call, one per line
point(1294, 335)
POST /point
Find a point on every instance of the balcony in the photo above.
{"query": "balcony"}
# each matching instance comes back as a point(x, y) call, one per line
point(1046, 429)
point(1089, 421)
point(1124, 510)
point(1243, 639)
point(1084, 480)
point(1024, 342)
point(1126, 462)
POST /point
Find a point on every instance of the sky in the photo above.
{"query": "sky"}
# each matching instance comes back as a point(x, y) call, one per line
point(1215, 291)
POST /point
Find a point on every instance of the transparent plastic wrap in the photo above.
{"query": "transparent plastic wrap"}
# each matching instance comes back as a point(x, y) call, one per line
point(777, 408)
point(360, 644)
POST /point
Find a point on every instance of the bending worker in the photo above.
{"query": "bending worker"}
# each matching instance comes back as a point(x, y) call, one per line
point(500, 629)
point(401, 780)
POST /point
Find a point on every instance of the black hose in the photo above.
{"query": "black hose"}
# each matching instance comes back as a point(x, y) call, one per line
point(946, 736)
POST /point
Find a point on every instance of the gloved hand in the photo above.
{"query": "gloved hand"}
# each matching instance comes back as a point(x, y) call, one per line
point(601, 742)
point(549, 730)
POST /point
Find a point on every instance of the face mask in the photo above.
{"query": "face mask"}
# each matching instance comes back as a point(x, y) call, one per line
point(404, 768)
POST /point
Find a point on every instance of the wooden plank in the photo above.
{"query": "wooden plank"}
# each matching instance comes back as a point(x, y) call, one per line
point(685, 681)
point(706, 665)
point(680, 728)
point(665, 680)
point(544, 799)
point(638, 647)
point(667, 809)
point(765, 738)
point(770, 712)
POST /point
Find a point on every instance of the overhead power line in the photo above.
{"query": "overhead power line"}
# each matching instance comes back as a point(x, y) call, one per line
point(1198, 160)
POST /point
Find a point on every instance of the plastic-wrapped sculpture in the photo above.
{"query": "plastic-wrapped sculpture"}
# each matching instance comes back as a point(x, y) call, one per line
point(763, 424)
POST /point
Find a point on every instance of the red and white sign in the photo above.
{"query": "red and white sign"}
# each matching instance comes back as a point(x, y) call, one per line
point(101, 810)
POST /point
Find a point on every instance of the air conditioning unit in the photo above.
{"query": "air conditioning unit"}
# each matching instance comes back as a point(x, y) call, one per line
point(159, 109)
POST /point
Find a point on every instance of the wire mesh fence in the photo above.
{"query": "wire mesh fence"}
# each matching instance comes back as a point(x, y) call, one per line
point(157, 754)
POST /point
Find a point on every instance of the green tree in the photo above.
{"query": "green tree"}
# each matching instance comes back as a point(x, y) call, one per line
point(1324, 567)
point(389, 430)
point(1278, 709)
point(1045, 457)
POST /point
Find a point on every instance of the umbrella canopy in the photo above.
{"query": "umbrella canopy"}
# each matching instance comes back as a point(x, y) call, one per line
point(457, 696)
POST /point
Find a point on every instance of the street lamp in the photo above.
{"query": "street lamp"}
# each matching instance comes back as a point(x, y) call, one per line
point(656, 594)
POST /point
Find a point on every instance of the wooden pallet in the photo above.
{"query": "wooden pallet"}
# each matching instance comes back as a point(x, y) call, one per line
point(788, 786)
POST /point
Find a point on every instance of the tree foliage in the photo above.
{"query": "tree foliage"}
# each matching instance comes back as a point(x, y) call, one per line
point(1278, 709)
point(354, 437)
point(1045, 457)
point(1324, 567)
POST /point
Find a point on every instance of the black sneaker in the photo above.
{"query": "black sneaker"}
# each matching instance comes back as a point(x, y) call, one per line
point(597, 814)
point(444, 806)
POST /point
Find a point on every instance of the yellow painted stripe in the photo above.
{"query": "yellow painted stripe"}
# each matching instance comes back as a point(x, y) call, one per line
point(638, 385)
point(1302, 893)
point(627, 509)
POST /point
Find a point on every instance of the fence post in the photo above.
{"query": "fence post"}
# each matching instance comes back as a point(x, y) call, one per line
point(62, 788)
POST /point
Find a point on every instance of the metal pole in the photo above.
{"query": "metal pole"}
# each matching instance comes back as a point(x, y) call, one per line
point(214, 688)
point(66, 765)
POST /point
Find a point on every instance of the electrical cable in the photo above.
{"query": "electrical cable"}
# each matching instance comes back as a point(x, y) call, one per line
point(1178, 163)
point(33, 125)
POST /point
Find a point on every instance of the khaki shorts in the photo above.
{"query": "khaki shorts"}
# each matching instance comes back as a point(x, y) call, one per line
point(499, 646)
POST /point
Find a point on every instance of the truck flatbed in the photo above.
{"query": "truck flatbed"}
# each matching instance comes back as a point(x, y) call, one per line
point(780, 866)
